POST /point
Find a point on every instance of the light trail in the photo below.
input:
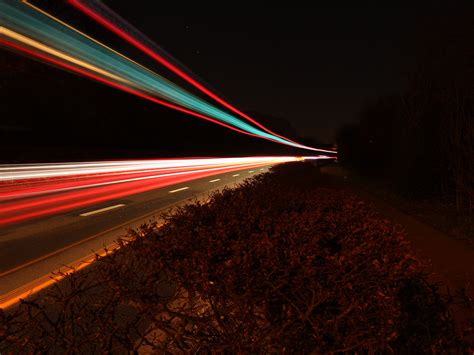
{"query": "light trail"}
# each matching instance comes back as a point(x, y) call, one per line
point(35, 190)
point(48, 50)
point(95, 184)
point(89, 11)
point(32, 171)
point(117, 86)
point(33, 32)
point(86, 189)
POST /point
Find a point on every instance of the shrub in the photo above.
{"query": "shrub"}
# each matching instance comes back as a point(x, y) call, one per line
point(283, 263)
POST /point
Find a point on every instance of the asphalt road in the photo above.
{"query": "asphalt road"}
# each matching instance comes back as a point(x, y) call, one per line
point(30, 251)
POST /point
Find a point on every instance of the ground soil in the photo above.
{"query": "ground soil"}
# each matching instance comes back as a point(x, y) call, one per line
point(450, 260)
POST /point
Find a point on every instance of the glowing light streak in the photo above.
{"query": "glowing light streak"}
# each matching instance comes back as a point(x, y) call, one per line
point(34, 190)
point(37, 45)
point(85, 35)
point(43, 28)
point(100, 19)
point(124, 88)
point(31, 171)
point(82, 199)
point(40, 202)
point(42, 36)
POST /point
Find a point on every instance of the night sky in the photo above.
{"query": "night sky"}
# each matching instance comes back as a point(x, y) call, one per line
point(314, 67)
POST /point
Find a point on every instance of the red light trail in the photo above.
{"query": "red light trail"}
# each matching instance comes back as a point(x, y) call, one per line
point(36, 190)
point(118, 86)
point(133, 41)
point(32, 31)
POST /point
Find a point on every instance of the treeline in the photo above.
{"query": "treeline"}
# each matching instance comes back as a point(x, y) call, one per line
point(422, 140)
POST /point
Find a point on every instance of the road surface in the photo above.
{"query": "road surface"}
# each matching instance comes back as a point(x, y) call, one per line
point(31, 250)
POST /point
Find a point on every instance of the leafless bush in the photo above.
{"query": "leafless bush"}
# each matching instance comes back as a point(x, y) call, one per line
point(284, 263)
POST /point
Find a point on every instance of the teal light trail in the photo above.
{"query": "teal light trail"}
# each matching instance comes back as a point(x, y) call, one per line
point(25, 20)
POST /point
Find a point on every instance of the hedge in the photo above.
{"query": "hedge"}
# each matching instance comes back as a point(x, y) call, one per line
point(285, 262)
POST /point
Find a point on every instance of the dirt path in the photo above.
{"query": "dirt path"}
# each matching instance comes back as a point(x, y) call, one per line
point(450, 260)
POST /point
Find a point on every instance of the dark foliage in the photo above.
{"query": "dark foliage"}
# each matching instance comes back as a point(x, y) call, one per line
point(422, 140)
point(284, 263)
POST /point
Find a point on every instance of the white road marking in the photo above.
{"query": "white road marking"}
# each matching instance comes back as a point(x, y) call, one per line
point(215, 180)
point(250, 171)
point(236, 175)
point(181, 189)
point(262, 169)
point(101, 210)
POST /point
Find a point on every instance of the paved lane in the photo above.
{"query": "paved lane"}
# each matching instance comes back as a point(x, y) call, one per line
point(30, 251)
